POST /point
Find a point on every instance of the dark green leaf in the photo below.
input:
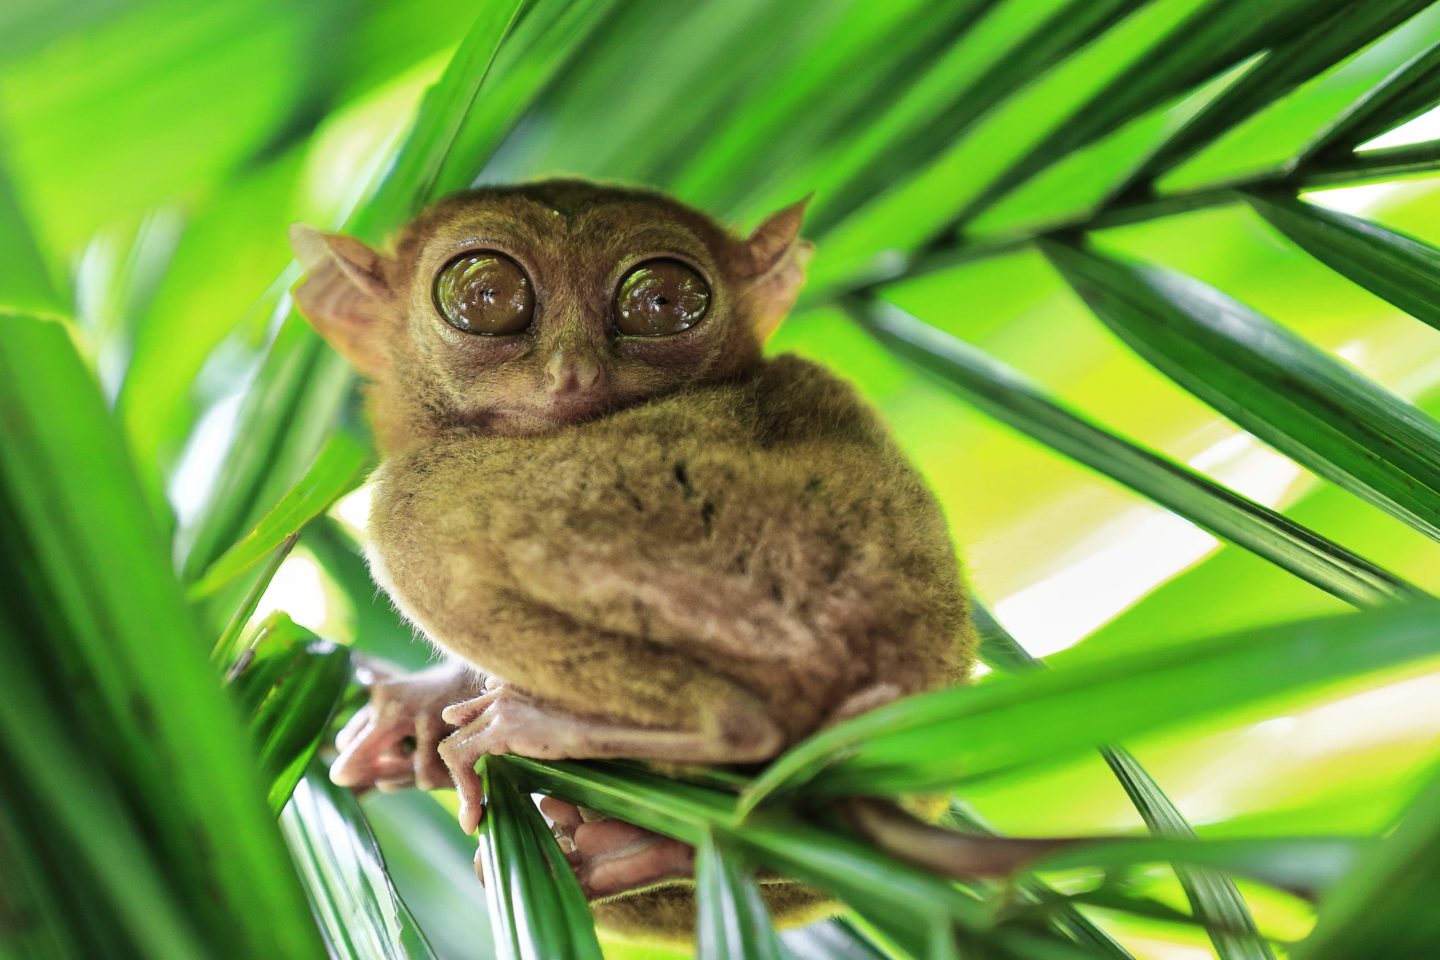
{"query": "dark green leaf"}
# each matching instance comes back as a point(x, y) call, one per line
point(1385, 908)
point(120, 634)
point(1412, 89)
point(1214, 898)
point(536, 906)
point(1006, 395)
point(1391, 265)
point(733, 921)
point(1303, 402)
point(358, 911)
point(1218, 35)
point(1296, 59)
point(288, 690)
point(936, 740)
point(1301, 865)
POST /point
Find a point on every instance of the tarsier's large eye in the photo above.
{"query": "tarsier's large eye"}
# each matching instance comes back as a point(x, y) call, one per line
point(660, 297)
point(484, 292)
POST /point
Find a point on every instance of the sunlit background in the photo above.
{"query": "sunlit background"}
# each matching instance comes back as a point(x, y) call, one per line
point(169, 207)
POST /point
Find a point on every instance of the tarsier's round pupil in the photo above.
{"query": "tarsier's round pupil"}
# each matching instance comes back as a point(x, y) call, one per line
point(660, 297)
point(484, 292)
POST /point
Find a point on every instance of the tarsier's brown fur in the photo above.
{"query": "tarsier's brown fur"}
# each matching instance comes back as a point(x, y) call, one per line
point(664, 548)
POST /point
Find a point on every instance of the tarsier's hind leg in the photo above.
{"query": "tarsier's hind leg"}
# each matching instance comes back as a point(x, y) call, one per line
point(575, 693)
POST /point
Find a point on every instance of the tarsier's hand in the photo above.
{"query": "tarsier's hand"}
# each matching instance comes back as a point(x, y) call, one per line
point(392, 742)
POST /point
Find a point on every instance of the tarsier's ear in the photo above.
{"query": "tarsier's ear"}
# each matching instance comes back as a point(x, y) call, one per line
point(777, 258)
point(345, 295)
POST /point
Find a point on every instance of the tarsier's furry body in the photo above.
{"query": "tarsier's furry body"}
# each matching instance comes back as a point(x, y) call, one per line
point(658, 547)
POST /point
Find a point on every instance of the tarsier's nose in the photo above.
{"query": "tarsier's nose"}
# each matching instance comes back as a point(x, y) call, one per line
point(570, 372)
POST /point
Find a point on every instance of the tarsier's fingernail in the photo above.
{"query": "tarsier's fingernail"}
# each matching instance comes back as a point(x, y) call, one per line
point(470, 814)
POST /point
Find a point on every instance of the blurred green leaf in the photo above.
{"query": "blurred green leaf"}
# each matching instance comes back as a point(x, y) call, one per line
point(1022, 50)
point(789, 132)
point(733, 921)
point(338, 468)
point(288, 690)
point(292, 405)
point(1391, 265)
point(221, 283)
point(541, 42)
point(357, 909)
point(1312, 49)
point(1384, 908)
point(1302, 865)
point(1219, 34)
point(920, 912)
point(121, 635)
point(1214, 898)
point(25, 284)
point(939, 739)
point(536, 906)
point(442, 118)
point(1306, 404)
point(830, 940)
point(1006, 395)
point(1412, 89)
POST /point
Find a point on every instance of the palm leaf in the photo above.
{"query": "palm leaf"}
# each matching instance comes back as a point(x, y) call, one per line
point(1274, 384)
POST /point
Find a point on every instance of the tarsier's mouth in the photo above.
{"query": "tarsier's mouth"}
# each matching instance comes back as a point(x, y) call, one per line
point(542, 417)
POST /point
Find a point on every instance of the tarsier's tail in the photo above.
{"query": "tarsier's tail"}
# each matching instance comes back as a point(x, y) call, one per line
point(962, 855)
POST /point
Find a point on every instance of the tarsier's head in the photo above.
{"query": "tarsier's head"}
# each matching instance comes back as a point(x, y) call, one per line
point(516, 310)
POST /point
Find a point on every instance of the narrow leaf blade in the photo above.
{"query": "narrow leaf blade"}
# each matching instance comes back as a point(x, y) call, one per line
point(1009, 397)
point(536, 906)
point(337, 470)
point(356, 907)
point(1391, 265)
point(1385, 907)
point(1300, 400)
point(733, 921)
point(937, 740)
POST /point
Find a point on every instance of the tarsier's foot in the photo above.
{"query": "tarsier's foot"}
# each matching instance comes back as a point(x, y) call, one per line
point(503, 720)
point(611, 856)
point(392, 741)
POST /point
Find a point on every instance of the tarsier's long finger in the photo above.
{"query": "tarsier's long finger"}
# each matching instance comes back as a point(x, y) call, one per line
point(372, 755)
point(429, 772)
point(356, 727)
point(472, 797)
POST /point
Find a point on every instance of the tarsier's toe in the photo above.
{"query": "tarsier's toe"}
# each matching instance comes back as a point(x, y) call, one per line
point(611, 856)
point(460, 753)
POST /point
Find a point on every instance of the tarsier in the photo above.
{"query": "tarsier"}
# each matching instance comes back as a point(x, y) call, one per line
point(630, 533)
